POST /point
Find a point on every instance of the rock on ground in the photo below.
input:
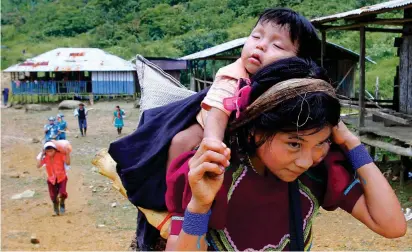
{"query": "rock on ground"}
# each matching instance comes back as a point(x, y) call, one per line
point(14, 175)
point(37, 107)
point(34, 240)
point(25, 194)
point(69, 104)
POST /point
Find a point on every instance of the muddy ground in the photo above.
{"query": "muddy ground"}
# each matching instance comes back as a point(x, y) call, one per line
point(91, 223)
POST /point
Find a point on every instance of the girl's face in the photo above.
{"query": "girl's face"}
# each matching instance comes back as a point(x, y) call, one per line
point(290, 154)
point(50, 152)
point(117, 108)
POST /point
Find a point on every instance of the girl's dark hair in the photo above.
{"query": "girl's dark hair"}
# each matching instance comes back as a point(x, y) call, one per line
point(118, 106)
point(300, 29)
point(306, 112)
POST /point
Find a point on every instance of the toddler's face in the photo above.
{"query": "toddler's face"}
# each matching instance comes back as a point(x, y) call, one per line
point(267, 43)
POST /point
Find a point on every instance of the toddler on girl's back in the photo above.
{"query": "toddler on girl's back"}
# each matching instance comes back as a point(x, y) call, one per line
point(279, 33)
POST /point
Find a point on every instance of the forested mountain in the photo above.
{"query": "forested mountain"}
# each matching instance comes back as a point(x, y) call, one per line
point(169, 28)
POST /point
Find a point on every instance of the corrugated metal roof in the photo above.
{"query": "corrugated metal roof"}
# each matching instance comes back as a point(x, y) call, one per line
point(73, 59)
point(350, 51)
point(239, 43)
point(377, 8)
point(216, 49)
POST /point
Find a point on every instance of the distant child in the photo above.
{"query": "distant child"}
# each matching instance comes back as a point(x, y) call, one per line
point(56, 174)
point(81, 114)
point(61, 127)
point(50, 130)
point(118, 116)
point(279, 33)
point(5, 93)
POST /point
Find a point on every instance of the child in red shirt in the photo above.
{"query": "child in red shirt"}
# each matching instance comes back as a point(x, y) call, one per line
point(56, 174)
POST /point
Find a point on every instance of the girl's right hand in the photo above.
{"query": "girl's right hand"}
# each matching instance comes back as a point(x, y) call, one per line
point(206, 173)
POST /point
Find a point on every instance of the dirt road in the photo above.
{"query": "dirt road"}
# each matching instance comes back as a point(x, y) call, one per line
point(91, 223)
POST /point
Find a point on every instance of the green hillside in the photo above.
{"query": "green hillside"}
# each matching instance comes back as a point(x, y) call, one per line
point(169, 28)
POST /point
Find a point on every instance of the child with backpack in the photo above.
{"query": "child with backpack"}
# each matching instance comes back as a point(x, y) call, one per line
point(55, 162)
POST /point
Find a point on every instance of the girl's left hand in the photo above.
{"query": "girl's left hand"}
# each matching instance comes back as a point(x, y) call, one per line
point(342, 136)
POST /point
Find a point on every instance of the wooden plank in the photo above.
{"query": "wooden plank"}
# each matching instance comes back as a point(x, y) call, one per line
point(344, 98)
point(374, 29)
point(391, 21)
point(370, 105)
point(396, 119)
point(401, 134)
point(407, 152)
point(385, 133)
point(223, 57)
point(362, 77)
point(358, 25)
point(376, 118)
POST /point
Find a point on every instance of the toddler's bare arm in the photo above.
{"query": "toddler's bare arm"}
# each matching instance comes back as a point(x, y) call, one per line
point(215, 125)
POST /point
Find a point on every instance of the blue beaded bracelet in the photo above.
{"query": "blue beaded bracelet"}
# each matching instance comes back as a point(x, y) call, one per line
point(359, 156)
point(196, 224)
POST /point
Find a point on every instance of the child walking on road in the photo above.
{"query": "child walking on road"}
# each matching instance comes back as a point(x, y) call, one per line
point(56, 174)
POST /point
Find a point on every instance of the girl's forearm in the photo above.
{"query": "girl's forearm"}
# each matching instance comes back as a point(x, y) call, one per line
point(381, 202)
point(186, 242)
point(191, 242)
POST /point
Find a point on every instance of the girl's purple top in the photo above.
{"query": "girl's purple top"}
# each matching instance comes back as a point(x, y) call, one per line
point(251, 212)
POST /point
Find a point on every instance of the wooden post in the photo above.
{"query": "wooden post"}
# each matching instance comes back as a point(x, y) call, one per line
point(402, 171)
point(405, 67)
point(91, 99)
point(192, 83)
point(213, 69)
point(362, 77)
point(323, 48)
point(204, 75)
point(396, 90)
point(196, 73)
point(377, 88)
point(373, 152)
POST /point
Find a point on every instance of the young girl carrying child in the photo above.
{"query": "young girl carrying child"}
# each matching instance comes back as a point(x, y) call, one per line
point(168, 131)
